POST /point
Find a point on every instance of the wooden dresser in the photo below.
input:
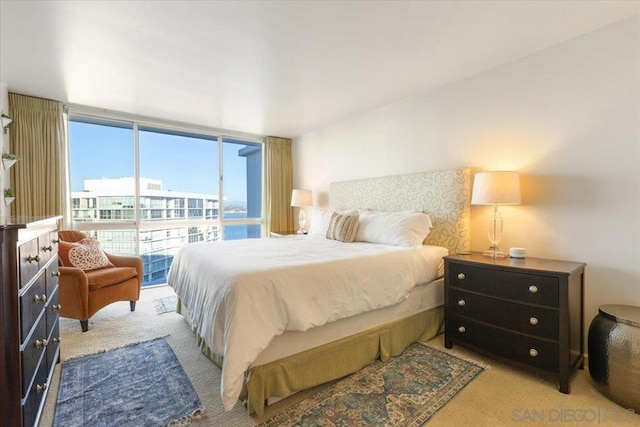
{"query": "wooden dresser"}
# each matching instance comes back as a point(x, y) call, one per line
point(529, 311)
point(29, 312)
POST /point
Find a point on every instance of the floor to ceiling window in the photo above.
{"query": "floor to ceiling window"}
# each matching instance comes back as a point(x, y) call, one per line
point(242, 186)
point(147, 190)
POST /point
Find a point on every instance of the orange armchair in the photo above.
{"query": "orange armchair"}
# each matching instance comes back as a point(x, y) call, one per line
point(83, 293)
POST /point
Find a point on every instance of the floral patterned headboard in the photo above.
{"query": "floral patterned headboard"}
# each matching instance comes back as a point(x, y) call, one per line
point(445, 195)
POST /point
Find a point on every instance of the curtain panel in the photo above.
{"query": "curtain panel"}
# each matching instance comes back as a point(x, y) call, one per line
point(279, 184)
point(37, 138)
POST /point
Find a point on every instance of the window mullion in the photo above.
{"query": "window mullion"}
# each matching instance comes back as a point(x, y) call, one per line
point(220, 188)
point(136, 174)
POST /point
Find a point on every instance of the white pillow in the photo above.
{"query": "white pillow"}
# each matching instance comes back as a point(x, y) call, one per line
point(321, 217)
point(393, 228)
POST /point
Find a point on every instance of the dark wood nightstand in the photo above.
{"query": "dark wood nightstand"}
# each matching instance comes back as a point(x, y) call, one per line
point(528, 311)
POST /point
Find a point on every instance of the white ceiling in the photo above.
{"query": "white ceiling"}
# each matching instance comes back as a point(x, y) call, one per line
point(271, 67)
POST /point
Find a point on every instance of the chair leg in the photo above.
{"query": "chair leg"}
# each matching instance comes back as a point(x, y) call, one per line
point(133, 305)
point(84, 324)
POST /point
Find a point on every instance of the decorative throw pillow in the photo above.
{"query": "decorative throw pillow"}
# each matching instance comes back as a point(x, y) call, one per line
point(89, 241)
point(343, 228)
point(63, 252)
point(85, 254)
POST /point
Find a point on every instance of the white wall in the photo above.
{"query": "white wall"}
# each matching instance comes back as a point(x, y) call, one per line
point(567, 118)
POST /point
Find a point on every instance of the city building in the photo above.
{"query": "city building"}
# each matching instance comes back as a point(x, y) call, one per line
point(168, 220)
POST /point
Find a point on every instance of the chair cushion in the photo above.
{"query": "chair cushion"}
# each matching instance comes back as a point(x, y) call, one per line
point(71, 235)
point(109, 276)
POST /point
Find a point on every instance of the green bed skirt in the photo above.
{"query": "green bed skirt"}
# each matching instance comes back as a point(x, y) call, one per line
point(330, 361)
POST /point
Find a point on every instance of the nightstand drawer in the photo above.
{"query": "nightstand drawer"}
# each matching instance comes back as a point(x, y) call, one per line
point(539, 321)
point(532, 351)
point(521, 287)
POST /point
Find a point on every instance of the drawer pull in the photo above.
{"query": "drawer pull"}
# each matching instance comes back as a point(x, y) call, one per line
point(55, 274)
point(533, 289)
point(533, 320)
point(42, 343)
point(41, 388)
point(56, 306)
point(40, 298)
point(462, 329)
point(47, 248)
point(533, 352)
point(55, 241)
point(57, 340)
point(461, 276)
point(461, 303)
point(32, 258)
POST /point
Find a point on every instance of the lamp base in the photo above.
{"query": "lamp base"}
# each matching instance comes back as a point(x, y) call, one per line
point(495, 252)
point(301, 221)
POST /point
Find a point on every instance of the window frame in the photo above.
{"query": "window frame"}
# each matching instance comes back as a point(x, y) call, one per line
point(139, 123)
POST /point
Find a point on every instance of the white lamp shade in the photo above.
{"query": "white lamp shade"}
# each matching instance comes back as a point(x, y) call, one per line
point(496, 188)
point(301, 198)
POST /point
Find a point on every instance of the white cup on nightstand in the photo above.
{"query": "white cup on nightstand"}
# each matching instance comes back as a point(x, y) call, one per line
point(516, 252)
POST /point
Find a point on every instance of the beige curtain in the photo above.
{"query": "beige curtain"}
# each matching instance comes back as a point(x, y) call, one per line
point(279, 184)
point(37, 138)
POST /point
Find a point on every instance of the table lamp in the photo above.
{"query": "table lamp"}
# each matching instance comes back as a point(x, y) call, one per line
point(496, 188)
point(301, 199)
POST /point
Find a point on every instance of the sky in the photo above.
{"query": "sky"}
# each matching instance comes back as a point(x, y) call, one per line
point(181, 163)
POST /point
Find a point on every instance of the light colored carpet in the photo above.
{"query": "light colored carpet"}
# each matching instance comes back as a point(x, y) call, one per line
point(501, 396)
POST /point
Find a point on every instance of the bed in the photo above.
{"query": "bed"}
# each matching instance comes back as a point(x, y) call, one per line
point(283, 315)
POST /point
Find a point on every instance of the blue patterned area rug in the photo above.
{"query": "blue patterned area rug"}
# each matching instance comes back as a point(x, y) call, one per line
point(138, 385)
point(405, 391)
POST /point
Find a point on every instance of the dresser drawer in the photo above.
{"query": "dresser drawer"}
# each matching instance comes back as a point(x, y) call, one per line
point(521, 287)
point(53, 343)
point(532, 351)
point(34, 398)
point(31, 304)
point(28, 253)
point(45, 248)
point(32, 353)
point(29, 261)
point(52, 316)
point(533, 320)
point(52, 276)
point(53, 309)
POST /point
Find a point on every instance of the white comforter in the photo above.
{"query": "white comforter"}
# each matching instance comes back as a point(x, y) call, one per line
point(243, 293)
